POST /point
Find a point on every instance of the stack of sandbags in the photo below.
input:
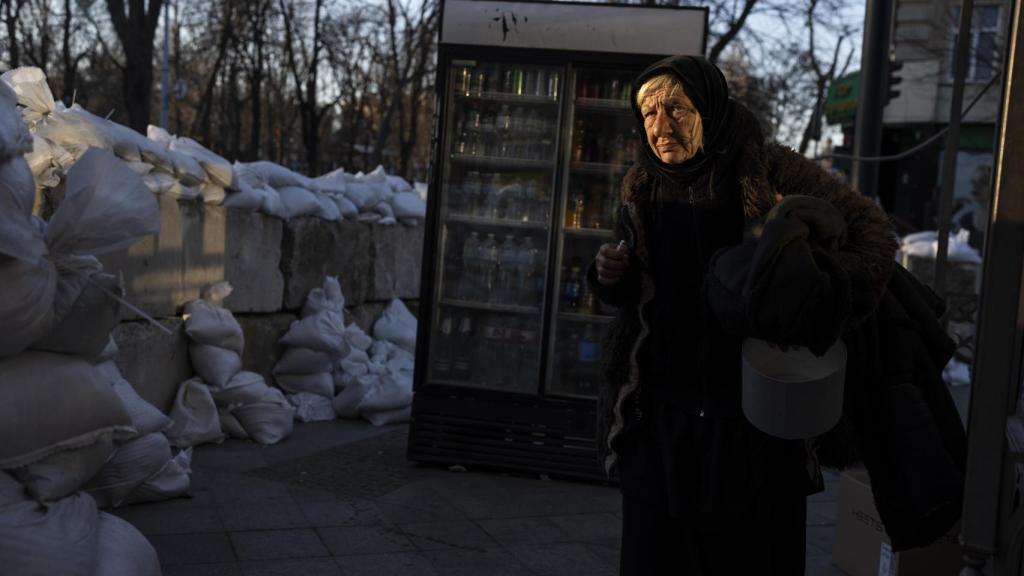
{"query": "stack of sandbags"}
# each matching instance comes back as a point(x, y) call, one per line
point(312, 346)
point(374, 380)
point(224, 397)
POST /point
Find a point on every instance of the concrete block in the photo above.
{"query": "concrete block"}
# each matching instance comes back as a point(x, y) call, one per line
point(313, 248)
point(199, 245)
point(396, 262)
point(153, 362)
point(262, 333)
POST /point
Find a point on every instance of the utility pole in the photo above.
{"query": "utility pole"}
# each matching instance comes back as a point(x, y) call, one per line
point(874, 72)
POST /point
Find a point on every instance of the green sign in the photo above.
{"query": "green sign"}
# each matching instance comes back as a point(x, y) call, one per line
point(841, 100)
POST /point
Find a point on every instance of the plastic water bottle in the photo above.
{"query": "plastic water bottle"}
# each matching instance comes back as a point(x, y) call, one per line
point(526, 266)
point(507, 270)
point(587, 358)
point(489, 269)
point(470, 277)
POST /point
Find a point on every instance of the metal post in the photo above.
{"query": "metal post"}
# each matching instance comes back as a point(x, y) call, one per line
point(874, 69)
point(963, 49)
point(165, 69)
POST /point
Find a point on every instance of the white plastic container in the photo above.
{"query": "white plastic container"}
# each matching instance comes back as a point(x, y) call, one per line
point(792, 394)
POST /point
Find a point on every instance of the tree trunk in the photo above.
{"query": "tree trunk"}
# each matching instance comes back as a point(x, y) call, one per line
point(136, 31)
point(12, 10)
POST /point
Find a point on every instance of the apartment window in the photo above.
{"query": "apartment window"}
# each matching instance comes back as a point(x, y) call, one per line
point(984, 57)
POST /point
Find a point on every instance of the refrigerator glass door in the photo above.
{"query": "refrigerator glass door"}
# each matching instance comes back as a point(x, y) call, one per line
point(497, 185)
point(601, 145)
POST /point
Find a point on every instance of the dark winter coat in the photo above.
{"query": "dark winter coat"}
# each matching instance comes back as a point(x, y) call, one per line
point(766, 173)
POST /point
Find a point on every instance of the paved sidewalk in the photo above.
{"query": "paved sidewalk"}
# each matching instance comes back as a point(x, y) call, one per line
point(338, 498)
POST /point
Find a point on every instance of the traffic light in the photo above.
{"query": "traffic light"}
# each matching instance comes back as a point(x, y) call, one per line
point(893, 80)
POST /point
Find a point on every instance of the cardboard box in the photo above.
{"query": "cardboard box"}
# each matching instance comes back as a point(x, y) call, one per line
point(863, 549)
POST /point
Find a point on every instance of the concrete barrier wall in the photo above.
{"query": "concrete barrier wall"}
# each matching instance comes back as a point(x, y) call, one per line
point(272, 265)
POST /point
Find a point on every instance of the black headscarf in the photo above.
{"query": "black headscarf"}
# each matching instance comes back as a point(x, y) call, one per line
point(727, 124)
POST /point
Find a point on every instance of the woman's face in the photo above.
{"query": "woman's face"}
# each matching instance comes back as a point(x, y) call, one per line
point(672, 125)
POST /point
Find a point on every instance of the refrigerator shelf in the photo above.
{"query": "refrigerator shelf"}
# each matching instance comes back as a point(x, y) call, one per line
point(489, 307)
point(598, 168)
point(501, 222)
point(509, 98)
point(502, 161)
point(577, 317)
point(603, 104)
point(590, 233)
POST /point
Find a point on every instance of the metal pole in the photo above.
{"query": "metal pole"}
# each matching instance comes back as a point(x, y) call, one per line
point(874, 68)
point(165, 69)
point(963, 48)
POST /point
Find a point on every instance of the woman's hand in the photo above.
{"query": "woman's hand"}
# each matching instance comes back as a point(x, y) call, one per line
point(612, 263)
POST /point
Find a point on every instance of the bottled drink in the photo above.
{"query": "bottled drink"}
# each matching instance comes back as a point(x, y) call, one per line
point(587, 358)
point(504, 122)
point(519, 81)
point(489, 269)
point(530, 83)
point(526, 267)
point(579, 152)
point(587, 300)
point(463, 81)
point(506, 270)
point(461, 359)
point(492, 207)
point(479, 82)
point(553, 80)
point(575, 212)
point(470, 269)
point(444, 349)
point(573, 289)
point(470, 190)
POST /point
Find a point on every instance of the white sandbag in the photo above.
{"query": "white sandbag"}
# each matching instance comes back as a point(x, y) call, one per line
point(381, 350)
point(84, 327)
point(321, 384)
point(123, 550)
point(106, 208)
point(244, 388)
point(28, 87)
point(243, 197)
point(230, 425)
point(195, 416)
point(401, 361)
point(182, 192)
point(347, 403)
point(159, 182)
point(46, 540)
point(63, 400)
point(15, 138)
point(378, 182)
point(159, 135)
point(26, 302)
point(208, 324)
point(75, 132)
point(140, 168)
point(326, 297)
point(216, 167)
point(347, 209)
point(398, 415)
point(298, 202)
point(397, 325)
point(362, 195)
point(278, 176)
point(368, 217)
point(391, 391)
point(333, 183)
point(410, 222)
point(356, 369)
point(356, 338)
point(132, 464)
point(48, 162)
point(109, 353)
point(272, 204)
point(62, 473)
point(312, 407)
point(323, 332)
point(212, 193)
point(388, 221)
point(214, 365)
point(146, 418)
point(267, 422)
point(171, 481)
point(18, 237)
point(303, 361)
point(409, 205)
point(384, 209)
point(328, 209)
point(378, 365)
point(398, 184)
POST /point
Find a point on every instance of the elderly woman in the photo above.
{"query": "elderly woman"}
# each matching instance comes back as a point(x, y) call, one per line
point(703, 491)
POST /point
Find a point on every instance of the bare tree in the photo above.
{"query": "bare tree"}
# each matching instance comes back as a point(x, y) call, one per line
point(11, 14)
point(822, 75)
point(136, 29)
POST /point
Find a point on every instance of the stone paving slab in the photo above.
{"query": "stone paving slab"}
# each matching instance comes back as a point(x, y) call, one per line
point(253, 511)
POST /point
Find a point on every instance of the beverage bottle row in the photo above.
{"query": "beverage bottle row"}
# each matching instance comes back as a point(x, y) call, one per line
point(591, 144)
point(577, 297)
point(512, 145)
point(488, 196)
point(504, 120)
point(493, 351)
point(593, 207)
point(505, 273)
point(615, 87)
point(512, 79)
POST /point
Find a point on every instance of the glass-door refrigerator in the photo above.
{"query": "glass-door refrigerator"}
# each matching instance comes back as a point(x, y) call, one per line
point(533, 134)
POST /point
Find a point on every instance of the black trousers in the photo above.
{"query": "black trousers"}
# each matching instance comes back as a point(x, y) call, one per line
point(734, 505)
